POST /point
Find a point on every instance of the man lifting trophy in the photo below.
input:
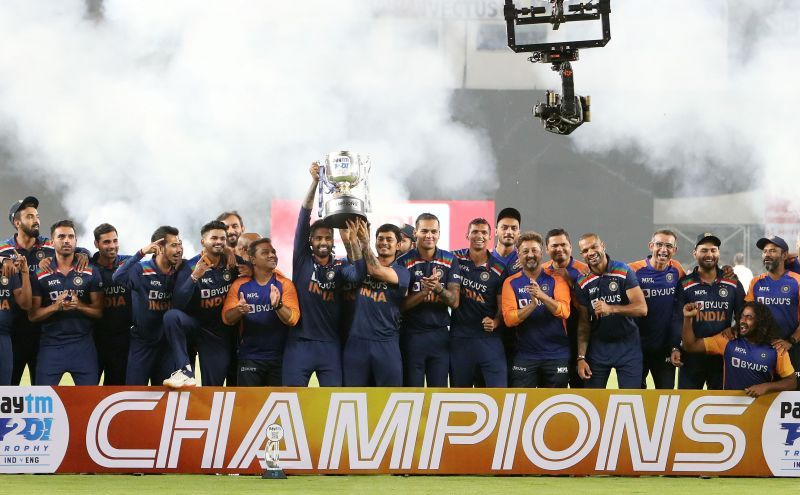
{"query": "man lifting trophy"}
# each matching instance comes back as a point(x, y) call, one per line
point(339, 174)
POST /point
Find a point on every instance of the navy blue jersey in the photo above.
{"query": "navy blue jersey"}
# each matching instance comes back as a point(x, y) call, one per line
point(611, 287)
point(721, 301)
point(509, 261)
point(480, 287)
point(793, 264)
point(65, 327)
point(377, 313)
point(319, 288)
point(204, 299)
point(747, 363)
point(151, 294)
point(7, 304)
point(659, 287)
point(430, 314)
point(781, 296)
point(117, 302)
point(574, 270)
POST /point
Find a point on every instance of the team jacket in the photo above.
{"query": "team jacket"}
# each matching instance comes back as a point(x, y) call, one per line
point(659, 287)
point(151, 295)
point(721, 301)
point(117, 318)
point(781, 296)
point(7, 303)
point(480, 287)
point(542, 335)
point(747, 363)
point(377, 311)
point(430, 314)
point(262, 334)
point(611, 287)
point(319, 288)
point(204, 299)
point(65, 327)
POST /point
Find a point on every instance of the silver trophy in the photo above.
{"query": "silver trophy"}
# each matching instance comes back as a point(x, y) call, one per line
point(339, 174)
point(272, 456)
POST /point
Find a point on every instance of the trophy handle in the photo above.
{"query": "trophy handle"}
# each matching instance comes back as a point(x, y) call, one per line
point(366, 166)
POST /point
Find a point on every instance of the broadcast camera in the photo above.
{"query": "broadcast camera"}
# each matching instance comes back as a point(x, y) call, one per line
point(559, 113)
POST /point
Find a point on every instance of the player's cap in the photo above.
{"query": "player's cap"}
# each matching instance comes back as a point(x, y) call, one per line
point(407, 231)
point(706, 238)
point(509, 213)
point(778, 241)
point(21, 204)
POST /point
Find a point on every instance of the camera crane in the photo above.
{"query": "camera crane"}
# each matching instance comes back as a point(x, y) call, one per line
point(560, 114)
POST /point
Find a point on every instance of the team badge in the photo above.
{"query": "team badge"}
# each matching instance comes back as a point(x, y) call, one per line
point(78, 281)
point(330, 274)
point(226, 276)
point(763, 355)
point(4, 280)
point(785, 289)
point(39, 255)
point(485, 276)
point(723, 292)
point(545, 287)
point(670, 277)
point(439, 273)
point(613, 286)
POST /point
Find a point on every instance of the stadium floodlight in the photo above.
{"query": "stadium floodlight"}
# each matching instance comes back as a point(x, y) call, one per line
point(560, 114)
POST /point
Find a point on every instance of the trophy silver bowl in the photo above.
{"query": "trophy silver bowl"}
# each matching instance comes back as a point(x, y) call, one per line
point(344, 179)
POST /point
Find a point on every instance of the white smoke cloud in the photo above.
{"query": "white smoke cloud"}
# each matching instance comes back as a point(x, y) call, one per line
point(171, 112)
point(701, 90)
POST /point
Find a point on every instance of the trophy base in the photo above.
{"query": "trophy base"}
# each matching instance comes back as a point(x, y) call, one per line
point(273, 474)
point(339, 210)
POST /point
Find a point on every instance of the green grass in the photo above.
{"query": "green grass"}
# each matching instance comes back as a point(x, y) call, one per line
point(352, 485)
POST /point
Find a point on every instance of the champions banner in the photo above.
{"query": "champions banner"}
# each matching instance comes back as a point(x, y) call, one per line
point(414, 431)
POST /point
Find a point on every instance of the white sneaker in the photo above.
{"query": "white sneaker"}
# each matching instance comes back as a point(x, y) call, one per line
point(179, 379)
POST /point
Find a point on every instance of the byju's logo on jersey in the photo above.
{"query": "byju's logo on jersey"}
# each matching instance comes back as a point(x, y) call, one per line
point(34, 430)
point(780, 435)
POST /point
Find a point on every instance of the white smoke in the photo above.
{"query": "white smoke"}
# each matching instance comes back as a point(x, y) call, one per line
point(702, 90)
point(171, 112)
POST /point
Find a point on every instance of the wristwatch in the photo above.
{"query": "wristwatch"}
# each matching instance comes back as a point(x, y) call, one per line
point(581, 357)
point(279, 305)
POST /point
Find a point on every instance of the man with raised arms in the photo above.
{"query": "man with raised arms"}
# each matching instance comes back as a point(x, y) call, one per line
point(372, 352)
point(314, 346)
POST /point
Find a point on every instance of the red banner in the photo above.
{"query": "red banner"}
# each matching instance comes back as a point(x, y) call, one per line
point(416, 431)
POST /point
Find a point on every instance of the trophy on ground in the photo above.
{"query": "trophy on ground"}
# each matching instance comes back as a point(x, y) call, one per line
point(339, 174)
point(273, 469)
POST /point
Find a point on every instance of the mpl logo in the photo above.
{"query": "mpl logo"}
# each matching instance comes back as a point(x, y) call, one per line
point(34, 430)
point(780, 435)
